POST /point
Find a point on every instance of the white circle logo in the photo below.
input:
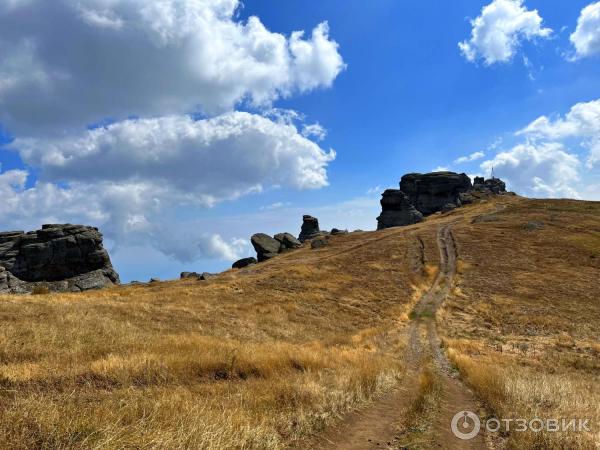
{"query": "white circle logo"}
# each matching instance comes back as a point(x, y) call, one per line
point(464, 421)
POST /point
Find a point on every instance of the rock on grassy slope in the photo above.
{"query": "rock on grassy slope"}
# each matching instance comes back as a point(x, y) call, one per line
point(273, 354)
point(66, 258)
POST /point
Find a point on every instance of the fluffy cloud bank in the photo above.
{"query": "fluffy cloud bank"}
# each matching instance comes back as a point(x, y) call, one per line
point(69, 63)
point(126, 176)
point(545, 170)
point(586, 38)
point(549, 162)
point(499, 30)
point(147, 68)
point(470, 158)
point(207, 160)
point(581, 123)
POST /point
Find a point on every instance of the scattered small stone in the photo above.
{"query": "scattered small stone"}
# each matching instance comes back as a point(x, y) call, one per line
point(485, 218)
point(533, 226)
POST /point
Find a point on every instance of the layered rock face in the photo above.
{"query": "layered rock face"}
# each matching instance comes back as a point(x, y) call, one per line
point(494, 185)
point(310, 228)
point(431, 192)
point(397, 210)
point(59, 257)
point(424, 194)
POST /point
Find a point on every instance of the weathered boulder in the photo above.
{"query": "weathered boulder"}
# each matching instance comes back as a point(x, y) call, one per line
point(244, 262)
point(266, 247)
point(429, 192)
point(205, 276)
point(197, 276)
point(187, 275)
point(61, 257)
point(318, 243)
point(496, 185)
point(310, 228)
point(336, 231)
point(287, 241)
point(266, 256)
point(397, 210)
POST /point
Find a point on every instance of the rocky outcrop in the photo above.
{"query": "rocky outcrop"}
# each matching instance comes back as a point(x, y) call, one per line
point(266, 247)
point(310, 228)
point(424, 194)
point(58, 257)
point(287, 241)
point(397, 210)
point(430, 192)
point(244, 262)
point(493, 185)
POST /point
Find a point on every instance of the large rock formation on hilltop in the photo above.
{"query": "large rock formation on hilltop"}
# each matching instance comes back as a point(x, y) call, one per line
point(430, 192)
point(494, 185)
point(397, 210)
point(424, 194)
point(57, 257)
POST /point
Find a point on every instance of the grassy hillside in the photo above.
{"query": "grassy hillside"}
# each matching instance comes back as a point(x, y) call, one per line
point(523, 325)
point(269, 355)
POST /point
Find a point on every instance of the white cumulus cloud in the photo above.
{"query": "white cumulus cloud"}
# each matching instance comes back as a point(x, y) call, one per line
point(499, 30)
point(544, 170)
point(128, 215)
point(470, 158)
point(582, 123)
point(210, 160)
point(146, 70)
point(68, 63)
point(129, 177)
point(586, 38)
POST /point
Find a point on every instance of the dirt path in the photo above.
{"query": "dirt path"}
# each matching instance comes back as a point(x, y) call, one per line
point(380, 425)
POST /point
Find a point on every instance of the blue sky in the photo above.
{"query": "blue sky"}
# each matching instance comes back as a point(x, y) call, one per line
point(395, 95)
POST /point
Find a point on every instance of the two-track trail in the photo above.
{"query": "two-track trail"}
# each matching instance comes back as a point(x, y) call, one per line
point(379, 426)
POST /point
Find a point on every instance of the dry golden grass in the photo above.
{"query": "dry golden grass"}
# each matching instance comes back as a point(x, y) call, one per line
point(264, 357)
point(258, 358)
point(523, 325)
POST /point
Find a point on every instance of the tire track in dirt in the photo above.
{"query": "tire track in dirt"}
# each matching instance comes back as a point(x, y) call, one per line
point(379, 426)
point(455, 396)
